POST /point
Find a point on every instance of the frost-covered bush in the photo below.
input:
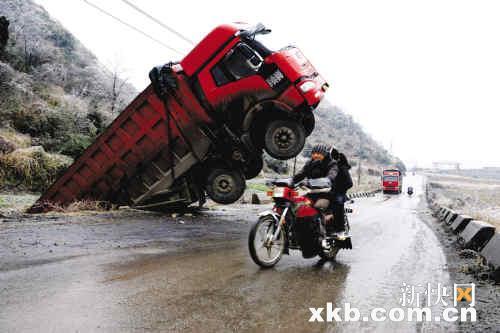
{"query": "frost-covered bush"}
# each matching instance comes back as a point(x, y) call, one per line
point(31, 168)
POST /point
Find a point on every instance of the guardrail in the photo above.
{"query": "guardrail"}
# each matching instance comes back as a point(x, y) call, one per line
point(476, 235)
point(363, 194)
point(256, 199)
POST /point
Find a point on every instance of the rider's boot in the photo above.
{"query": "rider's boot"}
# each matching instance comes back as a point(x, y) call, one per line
point(330, 231)
point(338, 225)
point(340, 234)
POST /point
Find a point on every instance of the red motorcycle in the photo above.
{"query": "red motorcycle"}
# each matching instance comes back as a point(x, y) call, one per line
point(294, 223)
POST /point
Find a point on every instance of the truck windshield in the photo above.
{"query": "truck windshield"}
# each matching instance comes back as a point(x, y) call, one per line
point(242, 61)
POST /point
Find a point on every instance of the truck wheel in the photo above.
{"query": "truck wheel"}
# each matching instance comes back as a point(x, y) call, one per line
point(253, 168)
point(225, 186)
point(284, 139)
point(309, 122)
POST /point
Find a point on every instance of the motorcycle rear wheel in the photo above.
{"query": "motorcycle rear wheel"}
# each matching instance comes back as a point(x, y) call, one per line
point(257, 239)
point(330, 255)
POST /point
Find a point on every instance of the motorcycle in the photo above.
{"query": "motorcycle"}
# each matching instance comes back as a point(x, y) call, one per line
point(294, 223)
point(410, 190)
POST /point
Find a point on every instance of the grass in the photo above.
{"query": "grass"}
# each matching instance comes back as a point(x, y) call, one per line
point(20, 202)
point(368, 183)
point(14, 138)
point(82, 205)
point(31, 168)
point(16, 202)
point(479, 198)
point(258, 187)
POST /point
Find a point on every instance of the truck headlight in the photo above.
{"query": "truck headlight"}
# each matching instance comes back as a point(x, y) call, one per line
point(307, 85)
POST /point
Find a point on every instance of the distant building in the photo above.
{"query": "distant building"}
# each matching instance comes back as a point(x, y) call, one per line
point(446, 165)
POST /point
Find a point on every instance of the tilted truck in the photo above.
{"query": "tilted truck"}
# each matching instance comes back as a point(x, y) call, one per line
point(200, 127)
point(392, 181)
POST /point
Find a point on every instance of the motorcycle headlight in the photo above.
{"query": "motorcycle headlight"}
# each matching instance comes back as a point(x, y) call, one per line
point(307, 85)
point(279, 192)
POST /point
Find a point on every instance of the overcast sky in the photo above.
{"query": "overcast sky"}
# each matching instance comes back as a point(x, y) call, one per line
point(422, 77)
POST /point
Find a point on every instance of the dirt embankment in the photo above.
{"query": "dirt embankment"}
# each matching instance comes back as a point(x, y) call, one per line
point(477, 197)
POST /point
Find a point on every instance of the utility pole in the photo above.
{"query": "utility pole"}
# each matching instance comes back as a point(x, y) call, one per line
point(359, 170)
point(359, 160)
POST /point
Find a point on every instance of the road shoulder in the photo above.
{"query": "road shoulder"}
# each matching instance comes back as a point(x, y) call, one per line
point(461, 268)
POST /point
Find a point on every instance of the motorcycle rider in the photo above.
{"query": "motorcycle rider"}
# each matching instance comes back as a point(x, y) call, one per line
point(342, 183)
point(321, 165)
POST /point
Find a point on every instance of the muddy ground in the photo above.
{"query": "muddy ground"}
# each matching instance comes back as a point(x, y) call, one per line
point(465, 266)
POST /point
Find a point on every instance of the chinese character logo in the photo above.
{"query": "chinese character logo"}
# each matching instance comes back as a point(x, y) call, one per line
point(464, 294)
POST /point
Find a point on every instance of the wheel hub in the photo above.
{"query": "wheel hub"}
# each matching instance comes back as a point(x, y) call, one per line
point(284, 137)
point(268, 243)
point(224, 184)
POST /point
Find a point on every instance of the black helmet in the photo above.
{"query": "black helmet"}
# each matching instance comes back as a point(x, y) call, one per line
point(321, 149)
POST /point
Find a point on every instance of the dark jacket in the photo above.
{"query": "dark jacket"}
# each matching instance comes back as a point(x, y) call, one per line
point(343, 182)
point(318, 169)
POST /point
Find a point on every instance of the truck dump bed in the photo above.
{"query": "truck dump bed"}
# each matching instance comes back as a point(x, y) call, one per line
point(140, 155)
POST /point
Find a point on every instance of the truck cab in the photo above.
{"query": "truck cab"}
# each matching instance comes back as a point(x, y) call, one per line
point(265, 97)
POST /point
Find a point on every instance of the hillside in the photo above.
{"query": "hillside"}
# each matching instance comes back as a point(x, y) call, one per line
point(336, 128)
point(54, 95)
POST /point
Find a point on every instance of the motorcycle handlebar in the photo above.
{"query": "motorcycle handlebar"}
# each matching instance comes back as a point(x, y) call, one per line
point(303, 183)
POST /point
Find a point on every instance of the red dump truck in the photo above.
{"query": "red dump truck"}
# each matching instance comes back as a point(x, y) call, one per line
point(200, 127)
point(392, 181)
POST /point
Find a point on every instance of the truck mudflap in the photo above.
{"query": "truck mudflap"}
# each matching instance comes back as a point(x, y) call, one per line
point(140, 155)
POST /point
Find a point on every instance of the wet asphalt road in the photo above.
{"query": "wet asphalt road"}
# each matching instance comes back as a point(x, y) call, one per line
point(135, 272)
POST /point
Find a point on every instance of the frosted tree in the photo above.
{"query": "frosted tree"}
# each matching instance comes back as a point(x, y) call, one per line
point(4, 33)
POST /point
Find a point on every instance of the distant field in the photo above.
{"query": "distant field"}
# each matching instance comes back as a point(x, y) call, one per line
point(478, 197)
point(481, 174)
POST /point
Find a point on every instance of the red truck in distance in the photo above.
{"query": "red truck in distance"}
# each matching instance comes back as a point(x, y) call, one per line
point(392, 181)
point(200, 127)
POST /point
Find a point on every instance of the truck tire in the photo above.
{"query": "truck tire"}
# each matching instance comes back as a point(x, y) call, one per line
point(225, 186)
point(253, 168)
point(309, 123)
point(284, 139)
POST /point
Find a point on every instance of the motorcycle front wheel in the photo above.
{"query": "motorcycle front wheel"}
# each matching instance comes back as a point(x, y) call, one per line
point(264, 250)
